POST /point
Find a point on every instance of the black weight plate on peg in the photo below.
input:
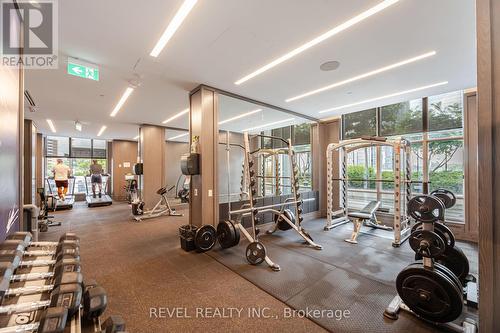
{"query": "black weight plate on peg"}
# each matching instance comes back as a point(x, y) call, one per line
point(440, 229)
point(455, 260)
point(449, 199)
point(256, 253)
point(226, 234)
point(425, 208)
point(282, 224)
point(427, 243)
point(236, 234)
point(205, 238)
point(430, 293)
point(450, 274)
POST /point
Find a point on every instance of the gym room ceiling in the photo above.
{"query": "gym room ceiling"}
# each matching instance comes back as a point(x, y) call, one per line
point(222, 41)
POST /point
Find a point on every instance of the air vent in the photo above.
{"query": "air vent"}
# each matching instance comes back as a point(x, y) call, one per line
point(30, 100)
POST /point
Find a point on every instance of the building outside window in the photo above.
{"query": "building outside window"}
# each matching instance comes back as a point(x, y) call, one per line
point(78, 154)
point(436, 148)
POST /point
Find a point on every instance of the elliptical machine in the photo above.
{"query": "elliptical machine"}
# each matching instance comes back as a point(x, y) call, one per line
point(435, 286)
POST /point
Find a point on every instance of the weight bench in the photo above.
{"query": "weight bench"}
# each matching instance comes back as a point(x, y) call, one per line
point(367, 217)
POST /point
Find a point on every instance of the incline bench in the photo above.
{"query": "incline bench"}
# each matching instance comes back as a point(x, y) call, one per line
point(367, 217)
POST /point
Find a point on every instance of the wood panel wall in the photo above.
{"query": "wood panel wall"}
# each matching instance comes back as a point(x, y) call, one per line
point(488, 119)
point(153, 156)
point(204, 206)
point(122, 152)
point(323, 134)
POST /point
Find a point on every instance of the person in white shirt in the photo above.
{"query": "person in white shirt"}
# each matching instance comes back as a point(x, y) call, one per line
point(61, 173)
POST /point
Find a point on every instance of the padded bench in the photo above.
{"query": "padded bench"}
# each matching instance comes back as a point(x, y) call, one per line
point(365, 216)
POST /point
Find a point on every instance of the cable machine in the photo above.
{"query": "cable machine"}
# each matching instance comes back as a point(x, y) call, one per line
point(402, 187)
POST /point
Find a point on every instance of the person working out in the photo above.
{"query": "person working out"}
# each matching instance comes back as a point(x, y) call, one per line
point(96, 177)
point(61, 173)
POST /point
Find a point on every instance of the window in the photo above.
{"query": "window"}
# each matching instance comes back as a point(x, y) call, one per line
point(361, 164)
point(437, 150)
point(401, 118)
point(301, 134)
point(99, 149)
point(303, 159)
point(81, 147)
point(57, 146)
point(357, 124)
point(445, 111)
point(78, 158)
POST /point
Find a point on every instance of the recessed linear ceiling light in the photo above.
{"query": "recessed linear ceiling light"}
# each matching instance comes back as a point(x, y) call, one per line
point(51, 125)
point(347, 24)
point(173, 26)
point(267, 125)
point(384, 97)
point(362, 76)
point(240, 116)
point(101, 130)
point(178, 136)
point(183, 112)
point(122, 100)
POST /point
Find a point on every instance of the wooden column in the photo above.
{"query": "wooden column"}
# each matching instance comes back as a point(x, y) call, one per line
point(39, 165)
point(488, 119)
point(152, 155)
point(29, 160)
point(322, 135)
point(123, 156)
point(203, 123)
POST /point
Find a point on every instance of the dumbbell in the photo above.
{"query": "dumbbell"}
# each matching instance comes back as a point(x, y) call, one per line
point(26, 238)
point(95, 300)
point(66, 246)
point(113, 324)
point(52, 320)
point(16, 257)
point(68, 296)
point(63, 278)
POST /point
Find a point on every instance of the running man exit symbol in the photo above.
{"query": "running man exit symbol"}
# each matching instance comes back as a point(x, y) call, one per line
point(86, 71)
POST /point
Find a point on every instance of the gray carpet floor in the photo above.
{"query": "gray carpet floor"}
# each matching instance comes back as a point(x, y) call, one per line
point(342, 277)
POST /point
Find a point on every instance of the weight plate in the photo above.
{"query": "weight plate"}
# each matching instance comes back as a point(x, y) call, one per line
point(449, 199)
point(282, 224)
point(427, 243)
point(455, 260)
point(449, 274)
point(205, 238)
point(236, 234)
point(256, 253)
point(226, 234)
point(426, 208)
point(439, 228)
point(431, 294)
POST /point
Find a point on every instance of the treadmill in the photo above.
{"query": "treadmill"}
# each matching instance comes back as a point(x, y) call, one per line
point(70, 196)
point(105, 199)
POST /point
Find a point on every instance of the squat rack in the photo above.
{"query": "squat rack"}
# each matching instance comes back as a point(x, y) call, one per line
point(402, 185)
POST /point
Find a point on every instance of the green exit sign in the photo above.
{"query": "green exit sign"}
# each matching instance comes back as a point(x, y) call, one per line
point(85, 71)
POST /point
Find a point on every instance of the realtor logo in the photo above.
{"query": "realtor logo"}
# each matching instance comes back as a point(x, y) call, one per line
point(29, 33)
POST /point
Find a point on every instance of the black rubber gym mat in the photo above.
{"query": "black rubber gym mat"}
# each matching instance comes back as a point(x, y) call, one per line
point(357, 278)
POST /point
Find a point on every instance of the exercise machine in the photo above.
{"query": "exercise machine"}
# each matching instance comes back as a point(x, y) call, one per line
point(69, 198)
point(402, 186)
point(288, 215)
point(131, 189)
point(183, 192)
point(438, 284)
point(162, 207)
point(101, 198)
point(44, 219)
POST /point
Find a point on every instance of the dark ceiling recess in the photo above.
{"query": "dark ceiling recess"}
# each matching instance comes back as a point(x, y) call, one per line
point(329, 66)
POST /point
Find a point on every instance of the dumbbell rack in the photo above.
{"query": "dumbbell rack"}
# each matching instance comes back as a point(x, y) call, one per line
point(25, 302)
point(429, 244)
